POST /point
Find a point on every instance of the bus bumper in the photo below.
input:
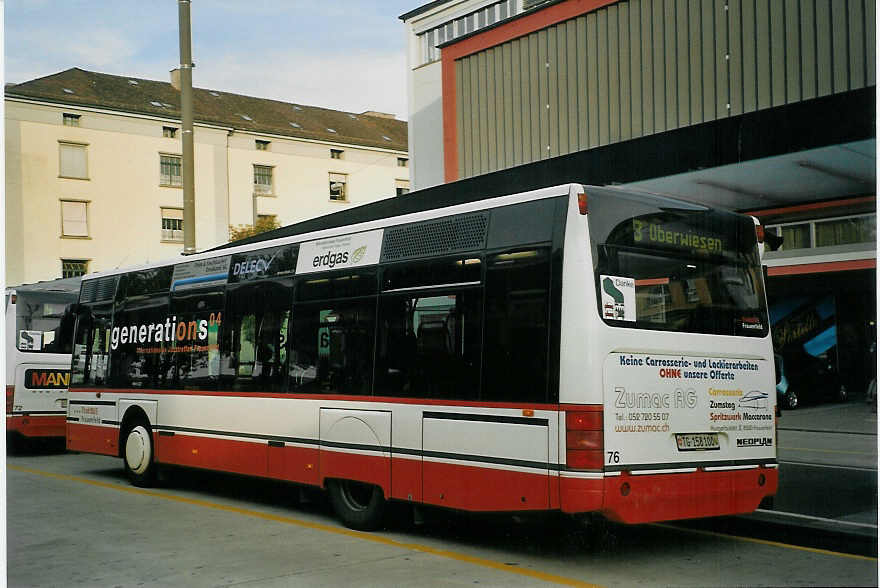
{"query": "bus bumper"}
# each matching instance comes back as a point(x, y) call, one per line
point(36, 426)
point(664, 497)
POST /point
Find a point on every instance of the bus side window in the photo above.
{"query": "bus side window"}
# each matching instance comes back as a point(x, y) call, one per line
point(517, 318)
point(140, 351)
point(198, 316)
point(254, 340)
point(332, 347)
point(429, 345)
point(91, 352)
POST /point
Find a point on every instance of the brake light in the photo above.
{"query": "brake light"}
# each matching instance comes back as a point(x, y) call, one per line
point(10, 396)
point(584, 441)
point(759, 233)
point(582, 203)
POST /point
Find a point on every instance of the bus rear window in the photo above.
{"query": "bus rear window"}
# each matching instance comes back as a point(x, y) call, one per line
point(41, 323)
point(672, 266)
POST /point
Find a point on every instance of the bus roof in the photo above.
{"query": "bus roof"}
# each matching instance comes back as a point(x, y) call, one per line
point(58, 285)
point(403, 207)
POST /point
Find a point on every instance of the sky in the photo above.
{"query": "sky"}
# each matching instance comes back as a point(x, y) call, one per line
point(347, 55)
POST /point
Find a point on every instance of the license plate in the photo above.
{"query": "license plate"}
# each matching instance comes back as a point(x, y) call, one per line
point(697, 441)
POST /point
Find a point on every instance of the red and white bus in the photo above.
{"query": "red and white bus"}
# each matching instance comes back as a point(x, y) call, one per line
point(579, 349)
point(39, 332)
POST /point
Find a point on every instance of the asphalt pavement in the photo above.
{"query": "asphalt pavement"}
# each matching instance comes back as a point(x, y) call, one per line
point(827, 474)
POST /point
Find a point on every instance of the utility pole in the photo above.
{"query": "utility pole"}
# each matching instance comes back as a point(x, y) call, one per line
point(186, 114)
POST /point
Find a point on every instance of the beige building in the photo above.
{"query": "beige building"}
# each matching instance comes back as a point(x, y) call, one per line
point(93, 169)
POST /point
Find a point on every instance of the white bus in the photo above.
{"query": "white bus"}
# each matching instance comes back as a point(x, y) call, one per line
point(39, 333)
point(579, 349)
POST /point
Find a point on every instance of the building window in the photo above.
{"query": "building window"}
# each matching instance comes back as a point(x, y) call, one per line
point(172, 224)
point(336, 154)
point(402, 162)
point(73, 268)
point(73, 161)
point(828, 232)
point(170, 171)
point(262, 145)
point(337, 187)
point(74, 218)
point(401, 187)
point(846, 231)
point(169, 132)
point(263, 180)
point(70, 120)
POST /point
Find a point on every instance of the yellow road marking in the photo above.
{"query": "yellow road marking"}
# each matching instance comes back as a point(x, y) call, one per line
point(767, 542)
point(826, 450)
point(478, 561)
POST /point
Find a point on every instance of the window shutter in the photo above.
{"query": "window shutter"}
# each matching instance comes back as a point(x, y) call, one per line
point(73, 161)
point(74, 219)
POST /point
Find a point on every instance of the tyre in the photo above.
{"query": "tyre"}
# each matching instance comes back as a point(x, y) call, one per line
point(358, 505)
point(137, 455)
point(791, 399)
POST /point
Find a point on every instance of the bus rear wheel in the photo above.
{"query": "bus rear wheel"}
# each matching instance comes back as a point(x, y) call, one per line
point(360, 506)
point(137, 455)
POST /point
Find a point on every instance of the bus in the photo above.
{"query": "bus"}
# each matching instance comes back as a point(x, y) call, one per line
point(39, 333)
point(574, 348)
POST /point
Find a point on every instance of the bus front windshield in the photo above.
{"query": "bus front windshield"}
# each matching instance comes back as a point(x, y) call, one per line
point(41, 323)
point(668, 265)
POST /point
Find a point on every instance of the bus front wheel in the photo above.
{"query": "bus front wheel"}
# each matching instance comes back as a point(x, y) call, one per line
point(138, 455)
point(360, 506)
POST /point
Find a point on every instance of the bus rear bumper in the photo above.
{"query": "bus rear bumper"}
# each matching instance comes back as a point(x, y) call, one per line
point(36, 426)
point(650, 498)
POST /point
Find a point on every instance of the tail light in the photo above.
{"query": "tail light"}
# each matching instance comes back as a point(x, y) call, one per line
point(10, 398)
point(759, 233)
point(584, 440)
point(582, 203)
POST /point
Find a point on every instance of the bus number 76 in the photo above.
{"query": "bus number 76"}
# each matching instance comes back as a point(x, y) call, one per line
point(613, 456)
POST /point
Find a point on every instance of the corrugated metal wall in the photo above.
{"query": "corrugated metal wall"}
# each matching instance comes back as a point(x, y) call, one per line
point(646, 66)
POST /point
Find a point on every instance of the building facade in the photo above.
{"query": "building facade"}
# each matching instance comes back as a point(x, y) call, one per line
point(93, 169)
point(765, 107)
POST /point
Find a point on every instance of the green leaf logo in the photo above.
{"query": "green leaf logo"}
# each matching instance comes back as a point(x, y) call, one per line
point(358, 254)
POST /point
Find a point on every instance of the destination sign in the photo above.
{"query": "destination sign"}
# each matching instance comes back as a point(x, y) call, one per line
point(675, 235)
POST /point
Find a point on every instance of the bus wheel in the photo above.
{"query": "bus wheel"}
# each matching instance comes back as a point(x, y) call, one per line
point(138, 455)
point(359, 506)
